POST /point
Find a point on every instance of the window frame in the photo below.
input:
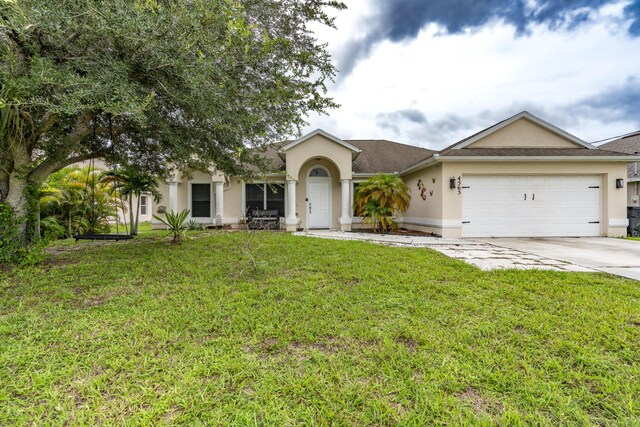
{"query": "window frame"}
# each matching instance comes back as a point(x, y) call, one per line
point(264, 185)
point(191, 200)
point(143, 205)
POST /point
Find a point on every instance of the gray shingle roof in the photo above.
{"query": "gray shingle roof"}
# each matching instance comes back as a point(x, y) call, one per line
point(530, 152)
point(629, 144)
point(382, 156)
point(377, 156)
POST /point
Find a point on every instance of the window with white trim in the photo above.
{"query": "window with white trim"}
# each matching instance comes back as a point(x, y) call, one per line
point(200, 200)
point(143, 205)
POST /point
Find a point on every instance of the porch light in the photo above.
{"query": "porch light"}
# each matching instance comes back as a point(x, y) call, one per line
point(619, 183)
point(452, 182)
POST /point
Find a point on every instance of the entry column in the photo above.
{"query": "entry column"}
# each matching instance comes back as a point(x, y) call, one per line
point(345, 218)
point(173, 196)
point(219, 188)
point(292, 220)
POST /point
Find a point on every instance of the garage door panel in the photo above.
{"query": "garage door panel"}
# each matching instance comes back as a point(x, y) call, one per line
point(531, 206)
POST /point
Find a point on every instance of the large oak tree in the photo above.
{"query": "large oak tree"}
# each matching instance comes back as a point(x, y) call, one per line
point(174, 81)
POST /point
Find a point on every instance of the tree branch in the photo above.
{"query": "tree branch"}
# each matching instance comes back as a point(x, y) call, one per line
point(49, 166)
point(45, 124)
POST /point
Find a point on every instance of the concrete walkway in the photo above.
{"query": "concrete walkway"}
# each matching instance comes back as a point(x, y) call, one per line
point(482, 254)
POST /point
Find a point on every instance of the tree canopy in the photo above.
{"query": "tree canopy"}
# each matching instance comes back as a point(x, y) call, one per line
point(185, 82)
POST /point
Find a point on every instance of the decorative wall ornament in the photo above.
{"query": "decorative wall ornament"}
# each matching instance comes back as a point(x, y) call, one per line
point(430, 192)
point(423, 189)
point(433, 179)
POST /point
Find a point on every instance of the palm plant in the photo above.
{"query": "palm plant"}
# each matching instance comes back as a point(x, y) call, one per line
point(379, 197)
point(176, 223)
point(132, 182)
point(73, 198)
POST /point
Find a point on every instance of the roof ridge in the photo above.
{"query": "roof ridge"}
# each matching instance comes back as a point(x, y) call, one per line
point(392, 142)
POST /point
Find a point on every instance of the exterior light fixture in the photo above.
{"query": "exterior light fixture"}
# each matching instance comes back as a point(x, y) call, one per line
point(619, 183)
point(452, 182)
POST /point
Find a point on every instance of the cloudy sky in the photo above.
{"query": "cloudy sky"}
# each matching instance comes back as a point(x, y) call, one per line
point(430, 72)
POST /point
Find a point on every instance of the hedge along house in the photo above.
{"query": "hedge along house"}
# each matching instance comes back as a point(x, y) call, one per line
point(520, 177)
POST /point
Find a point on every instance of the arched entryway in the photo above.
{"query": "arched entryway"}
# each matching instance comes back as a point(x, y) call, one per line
point(319, 197)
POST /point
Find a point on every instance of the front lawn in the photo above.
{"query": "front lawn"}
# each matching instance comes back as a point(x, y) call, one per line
point(323, 332)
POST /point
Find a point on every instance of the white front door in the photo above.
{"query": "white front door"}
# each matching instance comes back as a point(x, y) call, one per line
point(531, 206)
point(319, 204)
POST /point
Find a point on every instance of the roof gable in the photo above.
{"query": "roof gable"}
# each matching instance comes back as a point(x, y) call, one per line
point(355, 150)
point(522, 130)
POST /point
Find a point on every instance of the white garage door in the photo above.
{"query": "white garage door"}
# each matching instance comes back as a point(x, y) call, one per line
point(529, 206)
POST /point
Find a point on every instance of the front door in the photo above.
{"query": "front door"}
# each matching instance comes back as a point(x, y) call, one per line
point(318, 191)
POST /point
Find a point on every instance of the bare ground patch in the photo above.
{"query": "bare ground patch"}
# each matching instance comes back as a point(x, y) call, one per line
point(300, 350)
point(481, 404)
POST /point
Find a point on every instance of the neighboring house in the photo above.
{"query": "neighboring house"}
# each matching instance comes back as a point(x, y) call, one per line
point(629, 144)
point(520, 177)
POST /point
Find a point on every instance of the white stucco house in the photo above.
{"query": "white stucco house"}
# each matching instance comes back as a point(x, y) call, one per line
point(520, 177)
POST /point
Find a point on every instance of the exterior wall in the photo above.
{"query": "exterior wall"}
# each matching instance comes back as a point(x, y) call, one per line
point(233, 207)
point(302, 207)
point(318, 147)
point(633, 187)
point(633, 193)
point(613, 220)
point(150, 206)
point(425, 215)
point(522, 133)
point(164, 192)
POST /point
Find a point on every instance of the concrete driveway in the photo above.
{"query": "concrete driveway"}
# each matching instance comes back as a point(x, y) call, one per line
point(615, 256)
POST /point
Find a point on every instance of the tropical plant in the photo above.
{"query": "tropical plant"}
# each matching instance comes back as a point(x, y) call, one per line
point(379, 197)
point(182, 83)
point(194, 225)
point(73, 200)
point(176, 223)
point(131, 182)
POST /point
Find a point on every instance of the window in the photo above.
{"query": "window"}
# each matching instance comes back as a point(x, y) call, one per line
point(318, 172)
point(143, 205)
point(265, 196)
point(201, 200)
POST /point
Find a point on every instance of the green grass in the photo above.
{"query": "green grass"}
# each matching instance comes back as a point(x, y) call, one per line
point(322, 333)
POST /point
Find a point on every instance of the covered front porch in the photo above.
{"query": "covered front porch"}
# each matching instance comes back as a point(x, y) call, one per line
point(319, 182)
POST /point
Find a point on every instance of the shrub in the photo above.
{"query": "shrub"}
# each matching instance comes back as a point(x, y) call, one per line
point(194, 225)
point(12, 248)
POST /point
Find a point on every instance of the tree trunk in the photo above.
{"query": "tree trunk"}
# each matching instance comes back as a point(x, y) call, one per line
point(17, 199)
point(132, 229)
point(138, 213)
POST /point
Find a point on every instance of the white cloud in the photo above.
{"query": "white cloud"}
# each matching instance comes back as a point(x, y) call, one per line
point(479, 77)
